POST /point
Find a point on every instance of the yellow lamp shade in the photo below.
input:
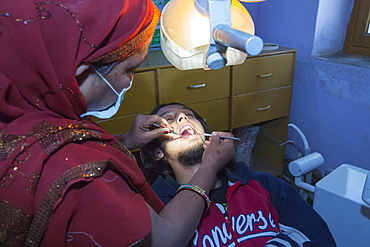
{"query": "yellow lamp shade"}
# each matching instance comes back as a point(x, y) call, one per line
point(185, 34)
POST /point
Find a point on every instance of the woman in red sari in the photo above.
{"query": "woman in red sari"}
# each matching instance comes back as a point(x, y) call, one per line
point(64, 180)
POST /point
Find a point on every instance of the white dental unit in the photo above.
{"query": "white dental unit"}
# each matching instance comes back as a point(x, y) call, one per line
point(342, 197)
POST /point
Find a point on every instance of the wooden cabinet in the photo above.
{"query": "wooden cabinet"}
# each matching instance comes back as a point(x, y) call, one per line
point(261, 94)
point(140, 99)
point(261, 106)
point(215, 113)
point(207, 92)
point(263, 73)
point(191, 86)
point(255, 92)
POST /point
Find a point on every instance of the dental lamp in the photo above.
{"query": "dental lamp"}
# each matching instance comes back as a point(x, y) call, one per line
point(208, 34)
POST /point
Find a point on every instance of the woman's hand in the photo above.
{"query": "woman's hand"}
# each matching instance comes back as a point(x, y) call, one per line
point(181, 216)
point(218, 152)
point(142, 131)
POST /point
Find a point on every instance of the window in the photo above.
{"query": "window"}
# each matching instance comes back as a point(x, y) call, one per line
point(358, 30)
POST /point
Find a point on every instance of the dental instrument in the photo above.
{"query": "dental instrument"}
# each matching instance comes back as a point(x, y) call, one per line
point(223, 137)
point(171, 131)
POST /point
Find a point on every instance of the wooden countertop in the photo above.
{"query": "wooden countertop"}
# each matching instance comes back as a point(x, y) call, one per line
point(157, 59)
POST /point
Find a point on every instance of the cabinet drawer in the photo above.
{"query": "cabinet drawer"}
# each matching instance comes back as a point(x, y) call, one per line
point(258, 107)
point(262, 73)
point(215, 112)
point(118, 125)
point(140, 98)
point(142, 95)
point(193, 86)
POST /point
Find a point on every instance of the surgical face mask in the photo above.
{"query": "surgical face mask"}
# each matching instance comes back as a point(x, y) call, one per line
point(113, 109)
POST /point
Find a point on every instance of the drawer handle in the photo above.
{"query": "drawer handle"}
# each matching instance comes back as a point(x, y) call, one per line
point(265, 75)
point(197, 86)
point(264, 108)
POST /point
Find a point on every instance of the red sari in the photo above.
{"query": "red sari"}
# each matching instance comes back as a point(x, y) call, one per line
point(63, 180)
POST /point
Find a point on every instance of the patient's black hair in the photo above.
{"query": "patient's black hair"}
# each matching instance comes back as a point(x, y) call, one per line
point(151, 167)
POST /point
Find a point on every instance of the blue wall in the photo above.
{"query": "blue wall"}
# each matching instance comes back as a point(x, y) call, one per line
point(331, 101)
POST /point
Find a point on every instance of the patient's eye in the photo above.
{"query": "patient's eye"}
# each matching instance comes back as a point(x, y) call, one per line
point(189, 114)
point(168, 118)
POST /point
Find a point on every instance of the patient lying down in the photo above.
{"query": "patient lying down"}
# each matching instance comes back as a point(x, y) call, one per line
point(247, 208)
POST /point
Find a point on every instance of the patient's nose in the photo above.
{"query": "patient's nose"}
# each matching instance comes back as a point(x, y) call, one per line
point(182, 117)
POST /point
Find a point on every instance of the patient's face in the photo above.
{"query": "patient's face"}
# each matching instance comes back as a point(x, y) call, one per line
point(184, 123)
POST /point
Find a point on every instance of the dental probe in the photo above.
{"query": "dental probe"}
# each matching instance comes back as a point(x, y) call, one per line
point(205, 134)
point(171, 131)
point(223, 137)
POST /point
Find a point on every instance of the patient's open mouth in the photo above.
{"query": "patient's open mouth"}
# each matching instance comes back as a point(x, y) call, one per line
point(188, 131)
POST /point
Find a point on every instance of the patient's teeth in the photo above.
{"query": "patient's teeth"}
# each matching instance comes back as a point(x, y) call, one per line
point(189, 129)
